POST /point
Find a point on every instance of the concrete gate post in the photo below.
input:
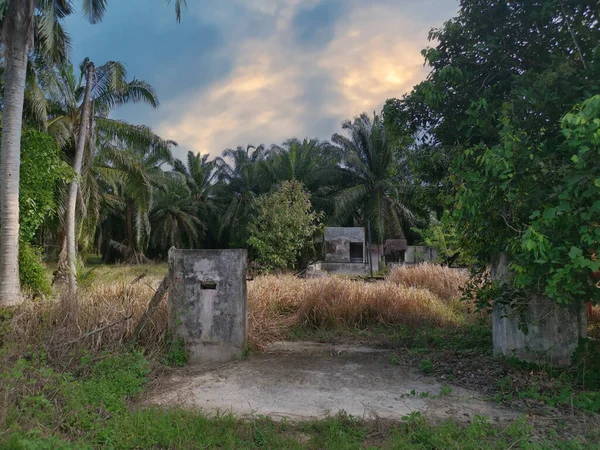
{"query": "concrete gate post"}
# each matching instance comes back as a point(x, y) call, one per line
point(208, 303)
point(553, 331)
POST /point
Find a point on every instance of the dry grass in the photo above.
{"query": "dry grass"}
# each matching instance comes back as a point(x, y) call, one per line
point(102, 318)
point(443, 281)
point(276, 304)
point(105, 315)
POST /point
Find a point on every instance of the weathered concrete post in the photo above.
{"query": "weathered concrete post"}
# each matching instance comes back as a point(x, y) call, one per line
point(553, 331)
point(208, 303)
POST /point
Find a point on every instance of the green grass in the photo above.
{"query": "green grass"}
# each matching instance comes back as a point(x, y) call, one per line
point(89, 407)
point(94, 272)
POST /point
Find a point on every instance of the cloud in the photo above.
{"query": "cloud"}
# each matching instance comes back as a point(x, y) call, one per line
point(275, 69)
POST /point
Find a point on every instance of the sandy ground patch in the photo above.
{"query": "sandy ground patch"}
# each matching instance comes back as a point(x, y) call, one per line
point(310, 380)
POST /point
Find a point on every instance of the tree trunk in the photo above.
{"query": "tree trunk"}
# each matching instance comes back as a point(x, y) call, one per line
point(72, 199)
point(18, 25)
point(129, 226)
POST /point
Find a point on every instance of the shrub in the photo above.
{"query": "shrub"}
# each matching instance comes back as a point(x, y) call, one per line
point(32, 271)
point(283, 226)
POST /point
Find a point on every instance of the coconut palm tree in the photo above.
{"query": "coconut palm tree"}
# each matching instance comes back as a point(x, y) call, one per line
point(18, 28)
point(20, 24)
point(373, 194)
point(80, 111)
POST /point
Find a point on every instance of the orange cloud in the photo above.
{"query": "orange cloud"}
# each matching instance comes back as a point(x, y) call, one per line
point(279, 89)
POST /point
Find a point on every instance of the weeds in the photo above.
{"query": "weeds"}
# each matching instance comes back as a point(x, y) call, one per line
point(426, 366)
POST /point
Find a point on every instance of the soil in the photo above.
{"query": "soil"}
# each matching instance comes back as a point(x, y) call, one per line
point(307, 380)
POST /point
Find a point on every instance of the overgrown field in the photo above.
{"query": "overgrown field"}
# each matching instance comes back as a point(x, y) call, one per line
point(70, 367)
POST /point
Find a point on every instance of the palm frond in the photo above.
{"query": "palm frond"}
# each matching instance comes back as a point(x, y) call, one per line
point(94, 10)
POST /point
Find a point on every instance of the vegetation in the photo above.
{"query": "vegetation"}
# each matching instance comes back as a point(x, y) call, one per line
point(283, 226)
point(66, 385)
point(495, 151)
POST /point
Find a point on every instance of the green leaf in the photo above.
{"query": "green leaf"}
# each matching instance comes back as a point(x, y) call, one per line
point(575, 252)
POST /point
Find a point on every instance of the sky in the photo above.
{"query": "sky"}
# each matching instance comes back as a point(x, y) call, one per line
point(239, 72)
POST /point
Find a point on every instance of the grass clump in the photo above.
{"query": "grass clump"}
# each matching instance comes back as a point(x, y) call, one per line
point(445, 282)
point(277, 304)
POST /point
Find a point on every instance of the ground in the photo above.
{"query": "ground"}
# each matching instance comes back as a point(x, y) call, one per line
point(307, 380)
point(331, 364)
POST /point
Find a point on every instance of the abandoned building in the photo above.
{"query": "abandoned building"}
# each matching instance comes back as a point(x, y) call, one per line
point(348, 252)
point(345, 249)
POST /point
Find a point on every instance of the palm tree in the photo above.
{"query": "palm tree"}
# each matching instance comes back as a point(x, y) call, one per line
point(134, 175)
point(81, 107)
point(19, 25)
point(243, 177)
point(313, 162)
point(373, 194)
point(202, 179)
point(174, 218)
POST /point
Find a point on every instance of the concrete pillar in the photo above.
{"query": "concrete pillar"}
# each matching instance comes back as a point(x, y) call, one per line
point(421, 254)
point(538, 331)
point(409, 255)
point(208, 303)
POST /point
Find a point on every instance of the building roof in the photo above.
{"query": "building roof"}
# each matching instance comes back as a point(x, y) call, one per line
point(395, 245)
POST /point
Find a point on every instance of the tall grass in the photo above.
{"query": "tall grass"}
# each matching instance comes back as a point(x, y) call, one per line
point(442, 281)
point(427, 294)
point(102, 318)
point(104, 315)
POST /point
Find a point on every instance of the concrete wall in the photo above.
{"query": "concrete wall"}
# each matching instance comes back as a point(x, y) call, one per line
point(552, 331)
point(419, 254)
point(344, 268)
point(208, 303)
point(337, 243)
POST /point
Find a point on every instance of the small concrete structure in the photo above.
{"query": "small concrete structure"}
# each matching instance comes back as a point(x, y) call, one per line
point(345, 251)
point(552, 331)
point(208, 303)
point(420, 254)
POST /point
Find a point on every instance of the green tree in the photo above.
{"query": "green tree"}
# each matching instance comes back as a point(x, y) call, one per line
point(312, 162)
point(19, 35)
point(242, 178)
point(284, 224)
point(134, 175)
point(373, 193)
point(43, 170)
point(174, 218)
point(202, 178)
point(503, 74)
point(18, 27)
point(80, 116)
point(560, 248)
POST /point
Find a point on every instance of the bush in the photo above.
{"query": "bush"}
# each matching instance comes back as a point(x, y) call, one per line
point(284, 225)
point(32, 271)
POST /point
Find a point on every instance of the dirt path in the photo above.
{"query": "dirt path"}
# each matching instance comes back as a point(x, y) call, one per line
point(308, 380)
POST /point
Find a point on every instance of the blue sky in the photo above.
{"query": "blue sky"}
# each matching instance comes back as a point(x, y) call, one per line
point(237, 72)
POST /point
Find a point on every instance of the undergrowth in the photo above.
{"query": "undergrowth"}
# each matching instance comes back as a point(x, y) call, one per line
point(88, 408)
point(69, 367)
